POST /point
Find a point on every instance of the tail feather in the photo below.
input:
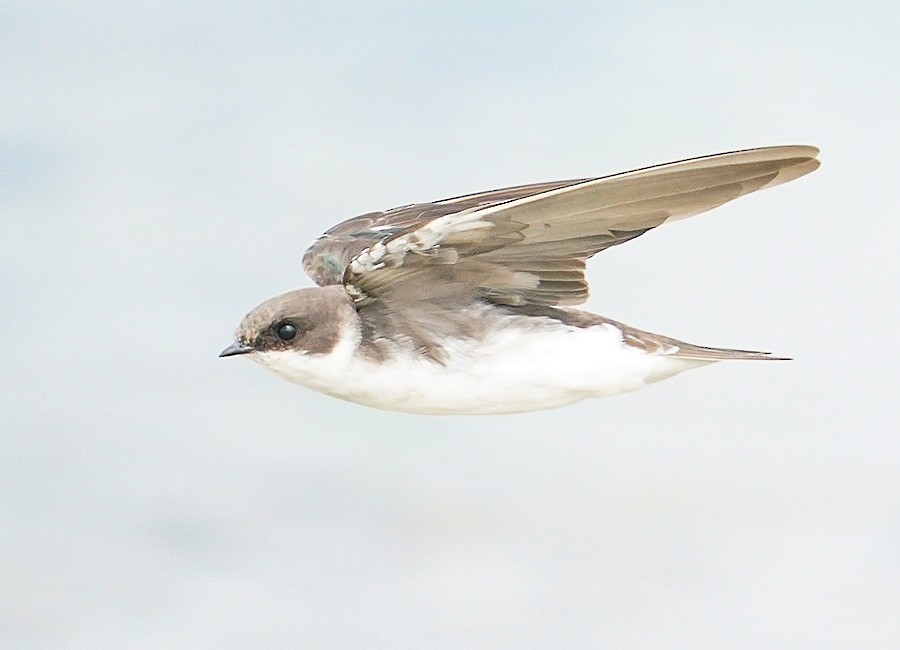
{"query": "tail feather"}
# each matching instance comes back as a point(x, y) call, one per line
point(701, 353)
point(659, 344)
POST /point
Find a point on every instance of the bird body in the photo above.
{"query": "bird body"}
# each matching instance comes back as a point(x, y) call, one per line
point(464, 306)
point(516, 364)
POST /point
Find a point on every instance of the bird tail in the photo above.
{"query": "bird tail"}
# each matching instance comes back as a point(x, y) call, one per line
point(701, 353)
point(659, 344)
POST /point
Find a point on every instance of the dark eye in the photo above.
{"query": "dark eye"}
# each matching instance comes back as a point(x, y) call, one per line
point(285, 331)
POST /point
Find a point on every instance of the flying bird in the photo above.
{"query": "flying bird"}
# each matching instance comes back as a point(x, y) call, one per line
point(465, 305)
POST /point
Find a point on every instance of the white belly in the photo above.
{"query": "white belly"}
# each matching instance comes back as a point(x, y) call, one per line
point(514, 369)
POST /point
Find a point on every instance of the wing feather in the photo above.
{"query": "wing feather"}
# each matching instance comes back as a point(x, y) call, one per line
point(529, 244)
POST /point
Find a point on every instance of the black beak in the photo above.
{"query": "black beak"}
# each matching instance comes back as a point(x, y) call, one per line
point(235, 348)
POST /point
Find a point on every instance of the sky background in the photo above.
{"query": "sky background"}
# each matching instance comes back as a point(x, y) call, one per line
point(164, 165)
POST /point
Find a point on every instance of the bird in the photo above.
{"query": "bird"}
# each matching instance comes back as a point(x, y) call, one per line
point(467, 305)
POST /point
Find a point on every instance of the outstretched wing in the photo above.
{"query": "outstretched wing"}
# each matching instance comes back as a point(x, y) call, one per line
point(529, 245)
point(326, 259)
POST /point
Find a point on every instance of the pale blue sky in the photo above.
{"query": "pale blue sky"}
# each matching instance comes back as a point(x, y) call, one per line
point(162, 168)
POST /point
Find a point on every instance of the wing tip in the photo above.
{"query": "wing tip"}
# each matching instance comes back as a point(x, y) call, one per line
point(793, 172)
point(777, 152)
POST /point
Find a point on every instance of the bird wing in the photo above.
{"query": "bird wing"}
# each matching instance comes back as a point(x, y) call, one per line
point(327, 258)
point(529, 244)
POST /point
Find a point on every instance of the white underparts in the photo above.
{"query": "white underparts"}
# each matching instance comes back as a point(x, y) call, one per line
point(515, 368)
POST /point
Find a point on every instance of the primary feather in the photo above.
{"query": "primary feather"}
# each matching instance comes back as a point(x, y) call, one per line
point(528, 245)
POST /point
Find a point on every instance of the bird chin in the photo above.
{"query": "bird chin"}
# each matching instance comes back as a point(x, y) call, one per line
point(330, 373)
point(292, 365)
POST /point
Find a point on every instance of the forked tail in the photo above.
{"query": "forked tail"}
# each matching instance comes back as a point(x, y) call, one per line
point(659, 344)
point(700, 353)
